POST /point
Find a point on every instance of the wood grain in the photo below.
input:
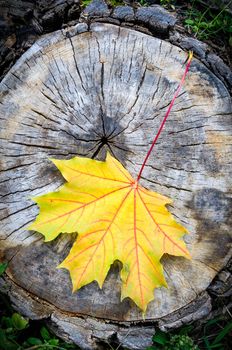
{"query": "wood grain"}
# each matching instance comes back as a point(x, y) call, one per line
point(83, 92)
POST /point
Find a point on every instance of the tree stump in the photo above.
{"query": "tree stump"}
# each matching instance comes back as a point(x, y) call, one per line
point(82, 92)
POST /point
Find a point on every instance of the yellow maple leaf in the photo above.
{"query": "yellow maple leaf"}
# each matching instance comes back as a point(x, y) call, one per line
point(116, 219)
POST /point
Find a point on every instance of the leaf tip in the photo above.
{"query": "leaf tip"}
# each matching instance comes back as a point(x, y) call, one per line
point(100, 284)
point(190, 56)
point(188, 256)
point(143, 314)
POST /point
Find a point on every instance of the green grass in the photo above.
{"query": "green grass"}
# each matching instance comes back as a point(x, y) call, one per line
point(168, 3)
point(215, 334)
point(113, 3)
point(205, 23)
point(201, 21)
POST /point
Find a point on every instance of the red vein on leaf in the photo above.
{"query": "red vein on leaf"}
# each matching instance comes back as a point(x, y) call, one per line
point(164, 233)
point(144, 287)
point(145, 237)
point(129, 253)
point(141, 273)
point(130, 179)
point(103, 260)
point(149, 280)
point(166, 115)
point(83, 206)
point(60, 227)
point(159, 277)
point(154, 194)
point(89, 234)
point(101, 240)
point(61, 200)
point(136, 250)
point(91, 175)
point(127, 241)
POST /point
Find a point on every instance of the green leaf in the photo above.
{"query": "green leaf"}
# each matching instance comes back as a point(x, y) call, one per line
point(6, 322)
point(19, 322)
point(10, 331)
point(6, 344)
point(207, 344)
point(160, 338)
point(34, 341)
point(186, 329)
point(189, 21)
point(45, 334)
point(3, 267)
point(212, 322)
point(54, 342)
point(203, 25)
point(86, 2)
point(223, 333)
point(219, 345)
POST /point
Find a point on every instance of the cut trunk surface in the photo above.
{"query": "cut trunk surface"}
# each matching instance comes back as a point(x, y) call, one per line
point(84, 92)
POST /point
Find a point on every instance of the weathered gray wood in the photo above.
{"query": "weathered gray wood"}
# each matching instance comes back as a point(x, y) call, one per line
point(70, 92)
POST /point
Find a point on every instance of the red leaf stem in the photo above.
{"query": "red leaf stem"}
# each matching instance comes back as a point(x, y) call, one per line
point(167, 114)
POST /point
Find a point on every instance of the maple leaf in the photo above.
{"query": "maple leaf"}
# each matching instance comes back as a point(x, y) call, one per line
point(116, 219)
